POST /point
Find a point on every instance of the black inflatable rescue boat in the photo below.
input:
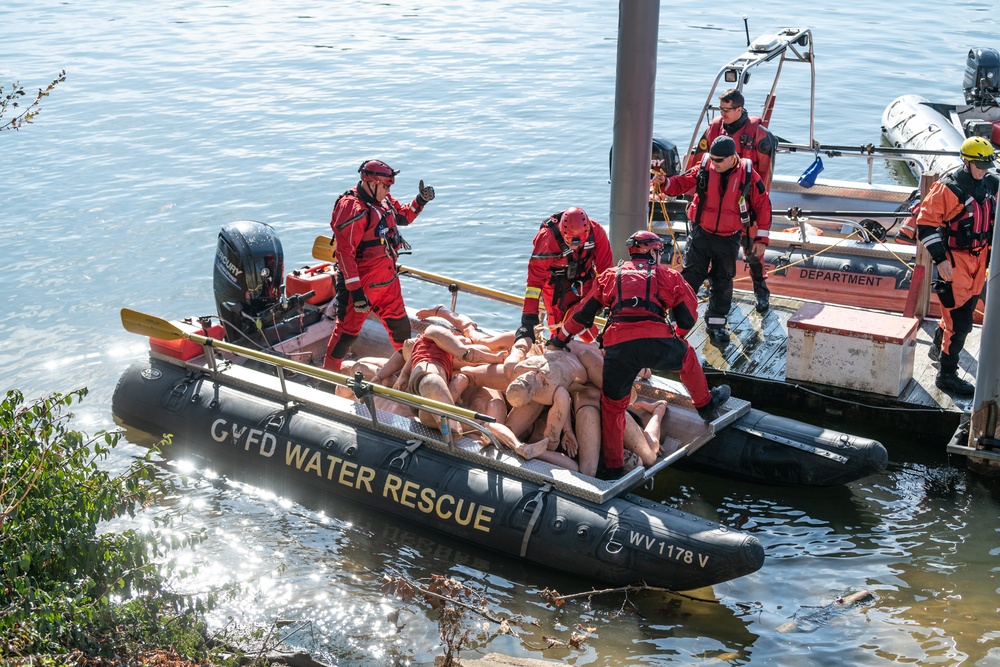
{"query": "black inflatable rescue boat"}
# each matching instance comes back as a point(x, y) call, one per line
point(245, 386)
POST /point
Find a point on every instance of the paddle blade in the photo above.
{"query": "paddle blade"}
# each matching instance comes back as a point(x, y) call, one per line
point(156, 327)
point(324, 249)
point(150, 325)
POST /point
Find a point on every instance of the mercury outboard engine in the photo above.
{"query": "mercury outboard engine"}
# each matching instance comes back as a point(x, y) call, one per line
point(249, 270)
point(663, 150)
point(666, 150)
point(982, 77)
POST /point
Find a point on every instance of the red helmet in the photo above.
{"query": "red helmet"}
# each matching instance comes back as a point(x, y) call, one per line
point(574, 225)
point(643, 243)
point(376, 171)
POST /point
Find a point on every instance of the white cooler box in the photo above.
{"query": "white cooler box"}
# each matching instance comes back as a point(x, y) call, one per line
point(854, 349)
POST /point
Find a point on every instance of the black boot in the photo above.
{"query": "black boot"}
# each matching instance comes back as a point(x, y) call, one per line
point(720, 395)
point(950, 383)
point(934, 353)
point(763, 300)
point(718, 335)
point(610, 474)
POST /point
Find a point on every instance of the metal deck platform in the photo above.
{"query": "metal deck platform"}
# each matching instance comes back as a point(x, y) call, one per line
point(753, 364)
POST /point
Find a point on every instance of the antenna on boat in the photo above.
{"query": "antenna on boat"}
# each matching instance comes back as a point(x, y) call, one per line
point(746, 27)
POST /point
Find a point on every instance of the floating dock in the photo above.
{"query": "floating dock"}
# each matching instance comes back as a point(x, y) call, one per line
point(754, 364)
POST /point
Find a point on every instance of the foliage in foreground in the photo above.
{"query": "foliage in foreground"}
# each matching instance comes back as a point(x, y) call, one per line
point(66, 585)
point(452, 600)
point(12, 104)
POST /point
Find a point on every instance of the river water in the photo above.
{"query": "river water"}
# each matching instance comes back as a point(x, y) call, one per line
point(180, 116)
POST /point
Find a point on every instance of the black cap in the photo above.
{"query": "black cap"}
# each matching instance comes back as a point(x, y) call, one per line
point(722, 147)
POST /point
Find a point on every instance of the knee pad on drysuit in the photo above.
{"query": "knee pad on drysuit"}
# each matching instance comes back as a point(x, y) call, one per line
point(342, 346)
point(399, 330)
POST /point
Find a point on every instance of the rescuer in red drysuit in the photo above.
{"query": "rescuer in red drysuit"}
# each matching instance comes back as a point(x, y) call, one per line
point(568, 253)
point(365, 223)
point(754, 142)
point(729, 200)
point(641, 294)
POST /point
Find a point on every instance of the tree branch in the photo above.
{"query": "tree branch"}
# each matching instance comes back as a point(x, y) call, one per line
point(554, 598)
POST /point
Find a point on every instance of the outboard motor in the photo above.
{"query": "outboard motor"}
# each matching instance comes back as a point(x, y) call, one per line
point(249, 270)
point(662, 150)
point(666, 150)
point(982, 77)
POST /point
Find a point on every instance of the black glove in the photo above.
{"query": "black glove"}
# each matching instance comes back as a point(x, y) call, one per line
point(558, 342)
point(527, 328)
point(425, 193)
point(360, 301)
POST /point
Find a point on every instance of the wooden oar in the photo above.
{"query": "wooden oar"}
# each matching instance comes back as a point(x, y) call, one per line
point(468, 287)
point(475, 289)
point(323, 249)
point(156, 327)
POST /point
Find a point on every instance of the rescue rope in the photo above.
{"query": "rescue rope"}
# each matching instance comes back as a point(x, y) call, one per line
point(893, 253)
point(658, 197)
point(666, 218)
point(800, 261)
point(652, 207)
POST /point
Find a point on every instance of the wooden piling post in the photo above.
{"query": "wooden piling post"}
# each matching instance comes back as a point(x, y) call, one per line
point(923, 305)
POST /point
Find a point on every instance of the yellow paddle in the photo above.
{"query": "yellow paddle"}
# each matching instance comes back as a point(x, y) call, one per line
point(156, 327)
point(468, 287)
point(323, 249)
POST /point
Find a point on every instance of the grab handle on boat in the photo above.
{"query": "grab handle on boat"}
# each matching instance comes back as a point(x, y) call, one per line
point(536, 504)
point(278, 419)
point(398, 462)
point(175, 399)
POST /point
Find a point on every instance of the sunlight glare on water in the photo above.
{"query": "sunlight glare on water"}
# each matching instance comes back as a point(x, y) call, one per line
point(180, 116)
